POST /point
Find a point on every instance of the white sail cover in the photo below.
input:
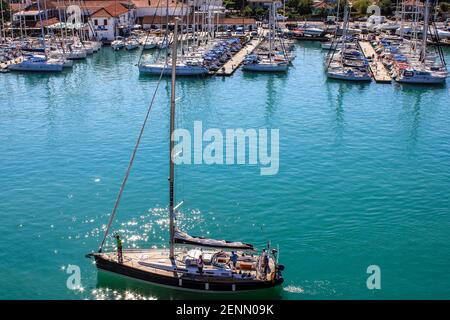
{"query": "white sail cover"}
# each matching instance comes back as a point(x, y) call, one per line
point(184, 238)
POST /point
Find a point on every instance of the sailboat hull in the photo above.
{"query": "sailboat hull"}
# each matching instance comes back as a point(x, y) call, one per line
point(173, 281)
point(180, 70)
point(36, 67)
point(341, 76)
point(259, 67)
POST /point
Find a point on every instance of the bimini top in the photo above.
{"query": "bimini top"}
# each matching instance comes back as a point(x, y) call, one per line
point(184, 238)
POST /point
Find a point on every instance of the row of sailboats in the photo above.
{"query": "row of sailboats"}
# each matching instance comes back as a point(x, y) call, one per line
point(409, 60)
point(345, 60)
point(55, 49)
point(273, 59)
point(200, 52)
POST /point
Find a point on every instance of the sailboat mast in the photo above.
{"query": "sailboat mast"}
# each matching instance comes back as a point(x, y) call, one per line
point(42, 28)
point(425, 31)
point(172, 129)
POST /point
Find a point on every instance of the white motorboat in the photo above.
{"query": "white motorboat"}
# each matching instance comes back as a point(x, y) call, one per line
point(421, 76)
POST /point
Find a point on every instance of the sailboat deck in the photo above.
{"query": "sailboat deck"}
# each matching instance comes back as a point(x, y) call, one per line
point(157, 262)
point(5, 65)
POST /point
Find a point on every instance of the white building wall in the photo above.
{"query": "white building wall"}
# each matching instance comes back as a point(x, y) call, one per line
point(102, 30)
point(150, 11)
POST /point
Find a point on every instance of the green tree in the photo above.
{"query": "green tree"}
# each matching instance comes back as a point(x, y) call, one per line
point(361, 6)
point(386, 7)
point(247, 11)
point(260, 12)
point(304, 6)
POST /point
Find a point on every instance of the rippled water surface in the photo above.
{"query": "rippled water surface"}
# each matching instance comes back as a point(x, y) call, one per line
point(364, 178)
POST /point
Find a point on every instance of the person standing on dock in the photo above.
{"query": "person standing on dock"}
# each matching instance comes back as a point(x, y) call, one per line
point(119, 248)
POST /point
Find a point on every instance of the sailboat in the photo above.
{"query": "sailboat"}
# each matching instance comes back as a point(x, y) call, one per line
point(347, 63)
point(186, 65)
point(420, 67)
point(38, 63)
point(178, 266)
point(270, 64)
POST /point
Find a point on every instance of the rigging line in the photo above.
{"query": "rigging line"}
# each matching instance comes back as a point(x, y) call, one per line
point(133, 155)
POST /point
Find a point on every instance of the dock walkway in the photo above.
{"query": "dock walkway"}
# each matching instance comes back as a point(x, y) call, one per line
point(231, 65)
point(379, 71)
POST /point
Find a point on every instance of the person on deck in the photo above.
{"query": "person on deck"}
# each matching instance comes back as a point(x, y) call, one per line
point(234, 258)
point(266, 261)
point(119, 248)
point(200, 264)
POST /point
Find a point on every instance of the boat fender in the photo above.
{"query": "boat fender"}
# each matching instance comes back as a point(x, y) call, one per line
point(281, 267)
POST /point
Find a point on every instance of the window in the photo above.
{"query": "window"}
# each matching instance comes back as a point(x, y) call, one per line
point(105, 22)
point(95, 22)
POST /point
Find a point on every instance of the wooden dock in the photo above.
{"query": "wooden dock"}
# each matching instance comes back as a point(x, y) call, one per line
point(231, 65)
point(379, 71)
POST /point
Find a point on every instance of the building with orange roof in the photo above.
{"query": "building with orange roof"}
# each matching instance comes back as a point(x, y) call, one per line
point(108, 21)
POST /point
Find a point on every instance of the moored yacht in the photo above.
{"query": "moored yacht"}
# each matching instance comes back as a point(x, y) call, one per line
point(37, 64)
point(186, 68)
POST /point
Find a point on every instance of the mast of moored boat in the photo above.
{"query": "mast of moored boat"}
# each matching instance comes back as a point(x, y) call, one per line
point(172, 128)
point(42, 28)
point(425, 32)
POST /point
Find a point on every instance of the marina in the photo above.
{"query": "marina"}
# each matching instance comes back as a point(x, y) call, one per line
point(362, 170)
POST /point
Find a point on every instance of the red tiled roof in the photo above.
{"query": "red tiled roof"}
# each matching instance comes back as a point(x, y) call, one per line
point(112, 10)
point(321, 5)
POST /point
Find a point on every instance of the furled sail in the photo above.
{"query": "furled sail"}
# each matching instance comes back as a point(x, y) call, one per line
point(184, 238)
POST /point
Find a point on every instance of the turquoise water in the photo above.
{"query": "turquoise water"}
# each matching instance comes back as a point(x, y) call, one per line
point(364, 178)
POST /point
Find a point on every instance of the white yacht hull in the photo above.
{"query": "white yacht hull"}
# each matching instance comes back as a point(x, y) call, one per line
point(262, 67)
point(421, 80)
point(180, 70)
point(77, 55)
point(342, 76)
point(36, 67)
point(131, 46)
